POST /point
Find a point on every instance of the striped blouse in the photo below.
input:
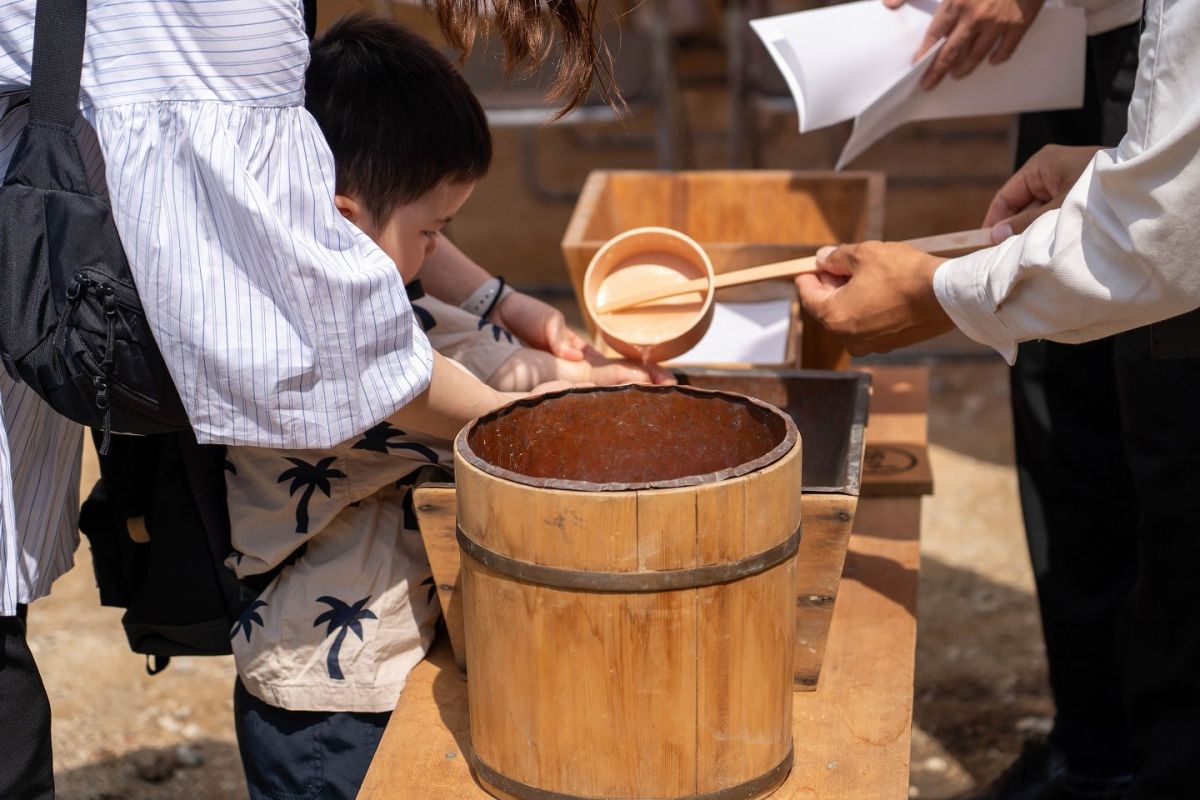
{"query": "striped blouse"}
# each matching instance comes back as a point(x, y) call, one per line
point(282, 325)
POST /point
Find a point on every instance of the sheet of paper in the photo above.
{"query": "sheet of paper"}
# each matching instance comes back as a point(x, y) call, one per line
point(838, 60)
point(857, 64)
point(1046, 72)
point(754, 333)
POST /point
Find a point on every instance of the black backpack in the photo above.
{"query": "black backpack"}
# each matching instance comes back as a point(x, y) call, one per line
point(71, 323)
point(158, 527)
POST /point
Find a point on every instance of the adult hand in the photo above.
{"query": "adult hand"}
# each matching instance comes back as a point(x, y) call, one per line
point(539, 325)
point(876, 296)
point(1037, 187)
point(974, 30)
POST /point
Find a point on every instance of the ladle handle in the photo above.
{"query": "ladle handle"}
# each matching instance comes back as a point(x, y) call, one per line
point(945, 243)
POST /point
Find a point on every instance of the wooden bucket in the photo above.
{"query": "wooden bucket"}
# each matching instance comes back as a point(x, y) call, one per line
point(629, 589)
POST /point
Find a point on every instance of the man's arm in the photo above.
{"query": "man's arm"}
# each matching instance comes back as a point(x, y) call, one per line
point(1119, 254)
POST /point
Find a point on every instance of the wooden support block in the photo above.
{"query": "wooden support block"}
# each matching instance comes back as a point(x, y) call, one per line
point(827, 520)
point(436, 509)
point(896, 468)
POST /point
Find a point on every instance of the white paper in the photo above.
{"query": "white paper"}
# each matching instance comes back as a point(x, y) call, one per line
point(854, 61)
point(753, 333)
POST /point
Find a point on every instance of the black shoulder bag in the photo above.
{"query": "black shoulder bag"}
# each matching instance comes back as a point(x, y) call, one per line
point(158, 524)
point(71, 323)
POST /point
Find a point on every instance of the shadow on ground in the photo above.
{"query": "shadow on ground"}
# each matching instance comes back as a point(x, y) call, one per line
point(205, 769)
point(981, 679)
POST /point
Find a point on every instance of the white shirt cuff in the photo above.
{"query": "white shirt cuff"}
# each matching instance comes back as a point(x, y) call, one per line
point(962, 288)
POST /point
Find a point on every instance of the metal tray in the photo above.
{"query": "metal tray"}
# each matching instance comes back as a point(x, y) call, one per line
point(829, 408)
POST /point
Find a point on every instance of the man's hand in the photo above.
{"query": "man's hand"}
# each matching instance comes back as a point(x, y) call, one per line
point(876, 296)
point(539, 325)
point(974, 30)
point(1037, 187)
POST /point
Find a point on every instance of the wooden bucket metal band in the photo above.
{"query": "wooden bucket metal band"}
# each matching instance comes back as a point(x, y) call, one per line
point(751, 788)
point(630, 582)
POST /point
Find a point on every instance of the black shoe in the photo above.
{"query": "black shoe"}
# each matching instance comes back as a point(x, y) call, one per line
point(1041, 773)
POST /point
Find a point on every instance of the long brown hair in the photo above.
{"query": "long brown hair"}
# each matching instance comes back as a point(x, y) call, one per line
point(527, 29)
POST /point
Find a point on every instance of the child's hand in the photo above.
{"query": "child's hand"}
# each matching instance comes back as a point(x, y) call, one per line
point(555, 386)
point(528, 367)
point(538, 324)
point(604, 371)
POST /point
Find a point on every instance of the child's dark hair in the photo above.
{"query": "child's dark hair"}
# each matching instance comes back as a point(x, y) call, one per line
point(398, 116)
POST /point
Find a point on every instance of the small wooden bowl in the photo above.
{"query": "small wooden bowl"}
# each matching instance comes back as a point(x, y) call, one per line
point(655, 331)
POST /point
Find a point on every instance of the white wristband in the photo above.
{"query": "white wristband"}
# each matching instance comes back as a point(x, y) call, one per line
point(485, 299)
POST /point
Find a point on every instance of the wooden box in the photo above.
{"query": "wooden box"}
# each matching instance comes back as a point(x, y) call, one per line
point(830, 410)
point(742, 219)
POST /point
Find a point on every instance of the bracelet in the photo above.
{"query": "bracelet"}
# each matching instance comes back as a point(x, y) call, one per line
point(505, 291)
point(483, 301)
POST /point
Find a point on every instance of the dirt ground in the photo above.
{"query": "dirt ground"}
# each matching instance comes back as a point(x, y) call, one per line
point(120, 734)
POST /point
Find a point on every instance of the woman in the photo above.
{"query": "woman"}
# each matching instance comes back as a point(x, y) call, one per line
point(282, 325)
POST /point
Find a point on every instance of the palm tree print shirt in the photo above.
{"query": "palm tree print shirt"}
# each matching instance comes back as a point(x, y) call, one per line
point(341, 627)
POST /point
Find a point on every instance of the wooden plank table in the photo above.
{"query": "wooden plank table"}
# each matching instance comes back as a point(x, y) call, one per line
point(851, 736)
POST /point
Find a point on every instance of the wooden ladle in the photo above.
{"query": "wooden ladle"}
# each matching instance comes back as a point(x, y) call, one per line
point(946, 243)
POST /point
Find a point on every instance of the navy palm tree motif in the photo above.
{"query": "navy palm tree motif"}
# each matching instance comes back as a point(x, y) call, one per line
point(424, 318)
point(432, 591)
point(311, 477)
point(379, 440)
point(249, 618)
point(497, 331)
point(341, 618)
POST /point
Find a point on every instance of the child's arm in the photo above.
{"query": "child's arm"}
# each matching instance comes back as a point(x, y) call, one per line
point(450, 276)
point(527, 368)
point(454, 398)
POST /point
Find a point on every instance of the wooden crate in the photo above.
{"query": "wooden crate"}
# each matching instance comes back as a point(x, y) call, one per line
point(742, 219)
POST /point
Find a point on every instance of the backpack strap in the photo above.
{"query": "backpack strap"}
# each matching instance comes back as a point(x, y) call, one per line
point(57, 62)
point(205, 468)
point(310, 18)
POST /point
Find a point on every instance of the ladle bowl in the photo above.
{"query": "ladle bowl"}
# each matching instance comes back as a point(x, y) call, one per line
point(657, 331)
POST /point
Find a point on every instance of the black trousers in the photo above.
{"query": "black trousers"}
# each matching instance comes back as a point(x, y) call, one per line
point(1108, 458)
point(315, 755)
point(26, 766)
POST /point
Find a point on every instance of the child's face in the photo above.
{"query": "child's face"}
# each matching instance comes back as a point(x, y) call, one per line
point(410, 232)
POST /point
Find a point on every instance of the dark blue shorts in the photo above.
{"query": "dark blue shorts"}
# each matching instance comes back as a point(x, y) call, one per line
point(303, 755)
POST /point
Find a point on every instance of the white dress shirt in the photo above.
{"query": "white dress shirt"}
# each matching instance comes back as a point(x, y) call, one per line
point(282, 324)
point(1124, 249)
point(1105, 15)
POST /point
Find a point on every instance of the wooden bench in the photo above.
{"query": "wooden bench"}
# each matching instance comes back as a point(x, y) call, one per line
point(851, 736)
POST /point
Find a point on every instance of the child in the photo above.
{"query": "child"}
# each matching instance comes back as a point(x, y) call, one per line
point(323, 653)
